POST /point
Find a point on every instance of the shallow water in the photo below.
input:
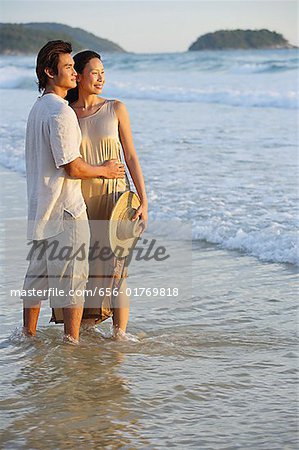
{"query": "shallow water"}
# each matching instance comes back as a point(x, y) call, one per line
point(214, 381)
point(216, 373)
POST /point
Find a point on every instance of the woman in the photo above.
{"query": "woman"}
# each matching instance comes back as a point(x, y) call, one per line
point(105, 128)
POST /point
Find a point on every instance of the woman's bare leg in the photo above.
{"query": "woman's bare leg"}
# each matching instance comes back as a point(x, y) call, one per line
point(121, 318)
point(121, 310)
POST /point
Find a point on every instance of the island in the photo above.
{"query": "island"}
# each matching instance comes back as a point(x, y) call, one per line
point(240, 39)
point(28, 38)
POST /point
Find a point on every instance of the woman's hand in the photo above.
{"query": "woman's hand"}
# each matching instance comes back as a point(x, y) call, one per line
point(142, 214)
point(113, 169)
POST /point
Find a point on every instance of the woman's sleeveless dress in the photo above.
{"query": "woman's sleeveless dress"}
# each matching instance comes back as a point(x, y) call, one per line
point(100, 142)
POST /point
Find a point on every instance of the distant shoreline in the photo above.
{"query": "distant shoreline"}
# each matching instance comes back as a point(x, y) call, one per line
point(241, 40)
point(29, 38)
point(25, 39)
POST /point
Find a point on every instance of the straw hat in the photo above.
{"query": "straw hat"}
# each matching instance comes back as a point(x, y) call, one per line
point(123, 232)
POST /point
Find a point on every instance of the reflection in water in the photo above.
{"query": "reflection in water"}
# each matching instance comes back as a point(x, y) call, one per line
point(182, 387)
point(219, 371)
point(69, 396)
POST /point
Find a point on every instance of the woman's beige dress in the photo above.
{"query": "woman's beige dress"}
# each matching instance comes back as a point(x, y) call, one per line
point(100, 143)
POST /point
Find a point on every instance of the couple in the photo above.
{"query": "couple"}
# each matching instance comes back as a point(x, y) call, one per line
point(73, 135)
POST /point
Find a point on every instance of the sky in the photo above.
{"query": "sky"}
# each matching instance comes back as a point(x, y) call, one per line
point(158, 26)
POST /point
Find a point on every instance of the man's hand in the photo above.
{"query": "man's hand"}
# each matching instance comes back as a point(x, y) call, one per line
point(113, 169)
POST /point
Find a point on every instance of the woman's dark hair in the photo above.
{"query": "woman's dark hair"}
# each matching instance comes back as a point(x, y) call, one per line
point(81, 59)
point(48, 56)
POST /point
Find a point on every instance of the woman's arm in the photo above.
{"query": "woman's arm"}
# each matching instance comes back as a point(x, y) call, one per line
point(131, 157)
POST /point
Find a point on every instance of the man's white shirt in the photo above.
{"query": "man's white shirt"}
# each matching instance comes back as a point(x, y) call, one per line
point(53, 139)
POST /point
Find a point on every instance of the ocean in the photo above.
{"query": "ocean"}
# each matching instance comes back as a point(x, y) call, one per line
point(216, 134)
point(226, 127)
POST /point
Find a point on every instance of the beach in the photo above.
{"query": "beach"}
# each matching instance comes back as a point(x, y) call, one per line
point(215, 368)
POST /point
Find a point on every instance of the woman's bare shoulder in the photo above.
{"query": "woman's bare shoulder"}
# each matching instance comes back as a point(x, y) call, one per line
point(118, 103)
point(119, 108)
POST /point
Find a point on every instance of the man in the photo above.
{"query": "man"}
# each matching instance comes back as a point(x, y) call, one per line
point(56, 209)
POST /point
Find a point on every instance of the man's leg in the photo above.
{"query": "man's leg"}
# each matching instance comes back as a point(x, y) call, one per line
point(30, 317)
point(72, 320)
point(36, 278)
point(70, 273)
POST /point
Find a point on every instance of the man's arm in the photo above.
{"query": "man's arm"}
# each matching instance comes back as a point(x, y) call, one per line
point(81, 169)
point(64, 139)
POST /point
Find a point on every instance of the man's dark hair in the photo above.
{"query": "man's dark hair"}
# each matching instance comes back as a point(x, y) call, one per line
point(80, 59)
point(48, 56)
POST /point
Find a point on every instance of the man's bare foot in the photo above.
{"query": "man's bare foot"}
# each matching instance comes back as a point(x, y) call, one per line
point(28, 333)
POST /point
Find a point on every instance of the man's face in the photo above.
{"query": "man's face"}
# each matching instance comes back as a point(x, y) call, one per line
point(67, 76)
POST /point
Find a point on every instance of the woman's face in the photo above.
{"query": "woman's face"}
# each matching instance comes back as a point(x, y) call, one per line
point(92, 79)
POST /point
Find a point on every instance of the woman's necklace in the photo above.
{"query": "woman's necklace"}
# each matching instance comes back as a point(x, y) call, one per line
point(86, 108)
